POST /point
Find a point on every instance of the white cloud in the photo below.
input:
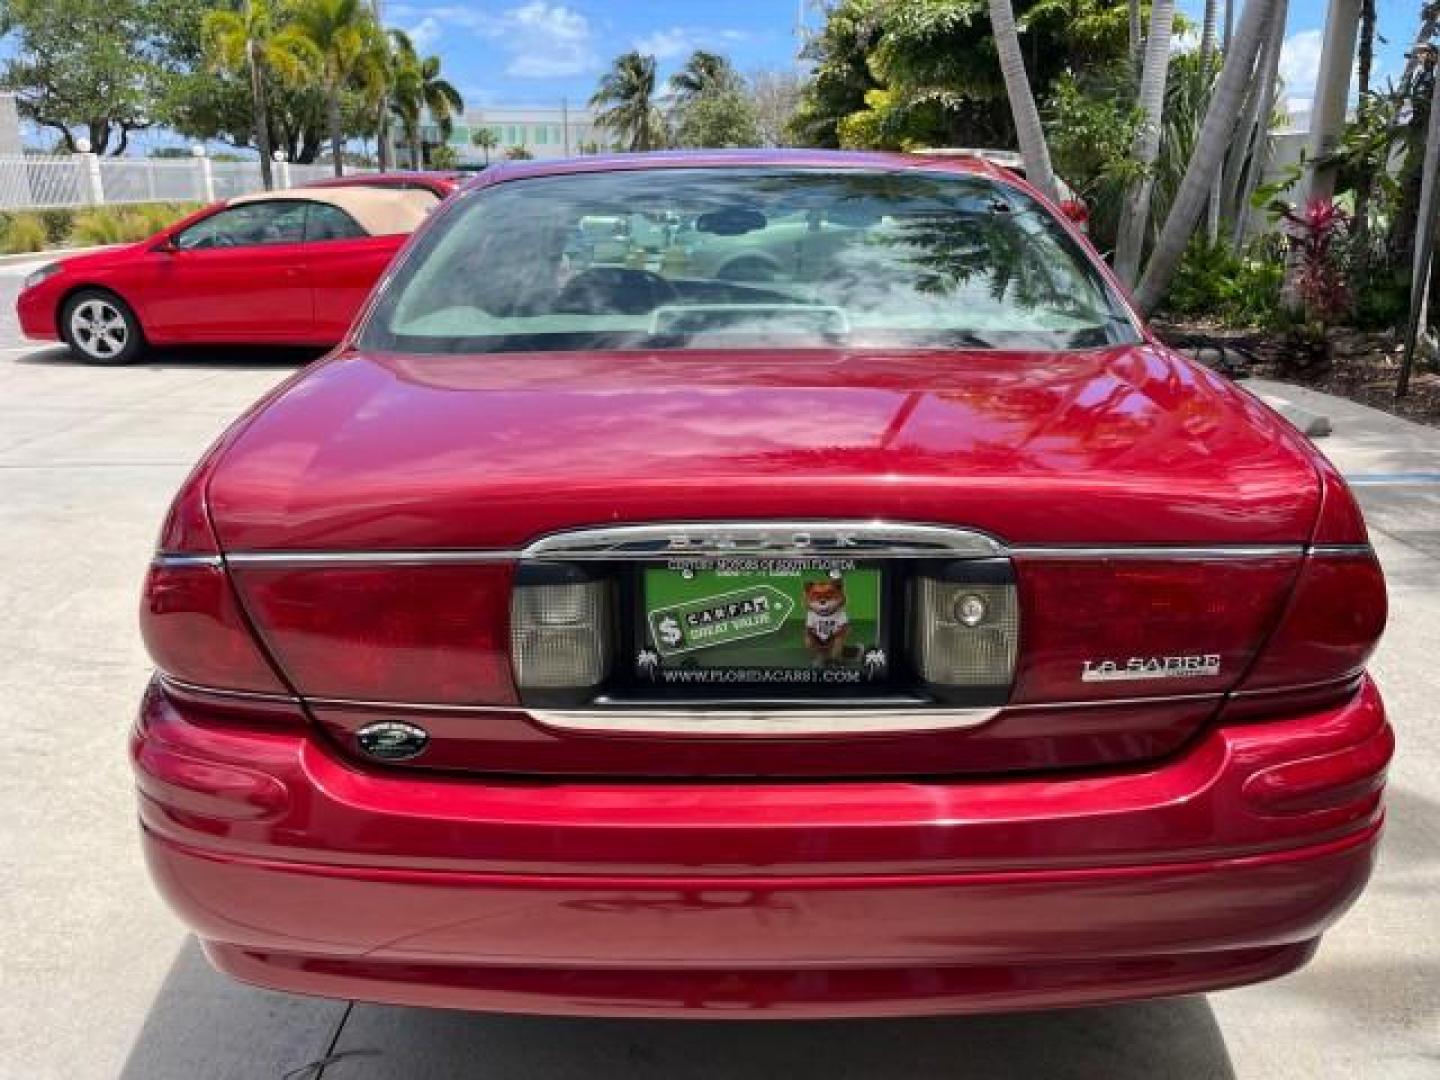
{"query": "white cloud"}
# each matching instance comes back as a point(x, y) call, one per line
point(665, 44)
point(679, 41)
point(543, 40)
point(546, 41)
point(1300, 61)
point(425, 33)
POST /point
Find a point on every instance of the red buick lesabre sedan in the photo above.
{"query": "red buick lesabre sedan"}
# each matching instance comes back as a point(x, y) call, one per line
point(284, 268)
point(907, 632)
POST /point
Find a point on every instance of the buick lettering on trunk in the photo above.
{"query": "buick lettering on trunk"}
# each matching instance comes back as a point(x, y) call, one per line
point(819, 532)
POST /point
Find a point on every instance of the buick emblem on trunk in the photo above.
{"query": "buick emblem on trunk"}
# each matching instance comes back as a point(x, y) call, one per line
point(391, 740)
point(1150, 667)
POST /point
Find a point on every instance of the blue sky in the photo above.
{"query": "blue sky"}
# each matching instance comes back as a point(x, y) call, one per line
point(529, 52)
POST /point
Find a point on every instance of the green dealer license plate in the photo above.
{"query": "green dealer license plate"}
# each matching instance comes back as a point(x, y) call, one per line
point(777, 622)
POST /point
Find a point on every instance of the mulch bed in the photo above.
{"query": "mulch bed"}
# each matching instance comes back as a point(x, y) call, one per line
point(1361, 367)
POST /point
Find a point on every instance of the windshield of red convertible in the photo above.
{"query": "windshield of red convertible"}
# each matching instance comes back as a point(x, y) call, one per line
point(746, 258)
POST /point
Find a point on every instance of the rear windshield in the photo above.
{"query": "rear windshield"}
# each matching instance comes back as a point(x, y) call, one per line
point(746, 258)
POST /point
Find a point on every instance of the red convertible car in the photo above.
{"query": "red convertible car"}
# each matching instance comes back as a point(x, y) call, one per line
point(908, 632)
point(285, 268)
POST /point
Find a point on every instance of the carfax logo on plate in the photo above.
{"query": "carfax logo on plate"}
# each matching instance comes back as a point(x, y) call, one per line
point(719, 620)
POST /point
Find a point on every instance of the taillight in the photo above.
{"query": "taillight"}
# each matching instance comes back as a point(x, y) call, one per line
point(1331, 625)
point(1144, 625)
point(561, 631)
point(194, 630)
point(388, 632)
point(965, 626)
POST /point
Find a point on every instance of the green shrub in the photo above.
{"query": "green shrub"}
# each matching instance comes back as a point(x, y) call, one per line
point(103, 225)
point(125, 224)
point(23, 232)
point(58, 224)
point(1382, 302)
point(1215, 284)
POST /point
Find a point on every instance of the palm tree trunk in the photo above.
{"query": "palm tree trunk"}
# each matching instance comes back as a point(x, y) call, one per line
point(1136, 44)
point(1423, 265)
point(1210, 145)
point(1207, 65)
point(1022, 102)
point(384, 150)
point(1135, 215)
point(260, 113)
point(337, 139)
point(1255, 129)
point(1365, 183)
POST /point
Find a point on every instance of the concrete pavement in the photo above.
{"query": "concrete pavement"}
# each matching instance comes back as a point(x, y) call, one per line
point(98, 980)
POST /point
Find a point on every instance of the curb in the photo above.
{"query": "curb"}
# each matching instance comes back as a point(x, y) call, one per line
point(1310, 424)
point(53, 254)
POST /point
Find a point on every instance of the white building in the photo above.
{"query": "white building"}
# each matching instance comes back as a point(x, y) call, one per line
point(544, 131)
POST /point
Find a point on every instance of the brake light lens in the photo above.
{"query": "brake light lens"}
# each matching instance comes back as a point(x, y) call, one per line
point(1331, 626)
point(561, 633)
point(194, 630)
point(387, 633)
point(1144, 626)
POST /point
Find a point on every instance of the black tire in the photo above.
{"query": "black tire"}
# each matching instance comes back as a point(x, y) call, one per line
point(100, 328)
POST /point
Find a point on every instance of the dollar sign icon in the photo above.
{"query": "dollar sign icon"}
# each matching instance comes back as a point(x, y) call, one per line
point(670, 631)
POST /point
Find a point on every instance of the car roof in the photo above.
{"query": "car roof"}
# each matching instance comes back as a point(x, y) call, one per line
point(797, 159)
point(381, 211)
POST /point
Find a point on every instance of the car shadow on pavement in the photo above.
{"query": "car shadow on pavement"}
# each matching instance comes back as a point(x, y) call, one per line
point(231, 357)
point(203, 1025)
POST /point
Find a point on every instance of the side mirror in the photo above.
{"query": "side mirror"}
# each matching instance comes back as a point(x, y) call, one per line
point(166, 246)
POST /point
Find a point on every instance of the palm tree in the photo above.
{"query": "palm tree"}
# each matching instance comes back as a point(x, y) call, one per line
point(1208, 33)
point(1210, 147)
point(254, 42)
point(704, 73)
point(419, 89)
point(1022, 102)
point(1135, 217)
point(1252, 146)
point(486, 140)
point(343, 33)
point(626, 96)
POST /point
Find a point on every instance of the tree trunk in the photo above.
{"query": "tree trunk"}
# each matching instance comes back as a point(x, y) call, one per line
point(1254, 133)
point(1422, 265)
point(1135, 215)
point(337, 139)
point(384, 152)
point(260, 114)
point(1365, 183)
point(1207, 65)
point(1136, 44)
point(1215, 135)
point(1332, 89)
point(1022, 102)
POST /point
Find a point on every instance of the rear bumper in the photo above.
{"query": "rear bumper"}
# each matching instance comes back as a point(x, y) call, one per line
point(1218, 867)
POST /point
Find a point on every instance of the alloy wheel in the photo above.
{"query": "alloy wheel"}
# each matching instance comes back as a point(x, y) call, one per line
point(99, 328)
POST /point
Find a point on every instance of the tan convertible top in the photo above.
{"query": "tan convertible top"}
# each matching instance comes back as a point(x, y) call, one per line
point(380, 211)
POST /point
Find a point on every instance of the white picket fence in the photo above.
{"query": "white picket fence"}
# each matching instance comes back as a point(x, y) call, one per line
point(34, 182)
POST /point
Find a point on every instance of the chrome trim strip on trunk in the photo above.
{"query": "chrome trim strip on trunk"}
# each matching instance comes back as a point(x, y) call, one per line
point(759, 721)
point(1152, 551)
point(1333, 551)
point(775, 539)
point(178, 562)
point(369, 558)
point(214, 691)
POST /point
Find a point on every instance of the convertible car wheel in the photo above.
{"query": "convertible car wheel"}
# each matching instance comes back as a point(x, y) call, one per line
point(101, 329)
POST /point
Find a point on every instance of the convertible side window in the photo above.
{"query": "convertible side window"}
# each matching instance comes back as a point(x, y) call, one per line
point(247, 225)
point(326, 222)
